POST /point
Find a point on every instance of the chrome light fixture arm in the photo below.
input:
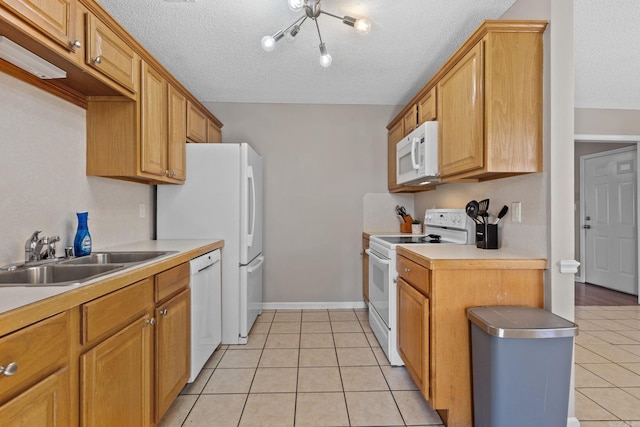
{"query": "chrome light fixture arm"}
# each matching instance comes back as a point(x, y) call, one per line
point(313, 10)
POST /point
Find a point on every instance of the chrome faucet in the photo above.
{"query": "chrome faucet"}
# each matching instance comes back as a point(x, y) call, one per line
point(39, 248)
point(30, 246)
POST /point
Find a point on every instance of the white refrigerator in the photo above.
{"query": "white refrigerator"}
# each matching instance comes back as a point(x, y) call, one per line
point(222, 199)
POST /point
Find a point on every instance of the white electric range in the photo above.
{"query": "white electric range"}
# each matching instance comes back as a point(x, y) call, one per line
point(441, 227)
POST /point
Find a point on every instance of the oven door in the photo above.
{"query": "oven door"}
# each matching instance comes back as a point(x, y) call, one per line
point(379, 284)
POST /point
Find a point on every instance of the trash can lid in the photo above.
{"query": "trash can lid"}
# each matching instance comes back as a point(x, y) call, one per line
point(520, 322)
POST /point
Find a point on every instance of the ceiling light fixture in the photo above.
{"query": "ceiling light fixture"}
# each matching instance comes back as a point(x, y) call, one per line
point(312, 11)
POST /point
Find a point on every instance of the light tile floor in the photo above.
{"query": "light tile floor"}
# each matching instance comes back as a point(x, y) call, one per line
point(607, 366)
point(303, 368)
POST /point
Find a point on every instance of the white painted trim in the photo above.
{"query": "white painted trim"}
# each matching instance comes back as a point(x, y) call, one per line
point(606, 138)
point(312, 305)
point(583, 233)
point(573, 422)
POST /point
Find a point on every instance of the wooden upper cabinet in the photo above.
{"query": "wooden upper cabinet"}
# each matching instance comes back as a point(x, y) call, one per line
point(53, 18)
point(213, 132)
point(490, 107)
point(177, 135)
point(487, 99)
point(153, 120)
point(461, 115)
point(410, 120)
point(196, 124)
point(427, 107)
point(110, 54)
point(396, 133)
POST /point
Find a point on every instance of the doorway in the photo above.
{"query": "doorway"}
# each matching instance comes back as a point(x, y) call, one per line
point(606, 212)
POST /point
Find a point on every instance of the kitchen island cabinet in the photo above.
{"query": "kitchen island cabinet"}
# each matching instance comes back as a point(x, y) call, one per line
point(435, 288)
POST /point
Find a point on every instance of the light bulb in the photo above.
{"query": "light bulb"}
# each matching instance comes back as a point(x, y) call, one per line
point(268, 43)
point(325, 58)
point(291, 34)
point(296, 5)
point(362, 26)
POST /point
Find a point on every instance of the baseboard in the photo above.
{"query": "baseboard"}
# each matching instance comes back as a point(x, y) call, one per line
point(312, 305)
point(573, 422)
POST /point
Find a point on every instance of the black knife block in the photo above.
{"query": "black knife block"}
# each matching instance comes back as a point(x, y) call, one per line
point(487, 236)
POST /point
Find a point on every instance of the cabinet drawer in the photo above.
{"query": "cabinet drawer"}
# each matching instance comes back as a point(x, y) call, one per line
point(112, 312)
point(38, 350)
point(415, 274)
point(171, 281)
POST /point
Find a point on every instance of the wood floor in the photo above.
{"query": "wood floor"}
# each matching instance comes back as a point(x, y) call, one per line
point(588, 294)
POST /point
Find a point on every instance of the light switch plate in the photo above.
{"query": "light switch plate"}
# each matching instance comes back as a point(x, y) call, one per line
point(516, 211)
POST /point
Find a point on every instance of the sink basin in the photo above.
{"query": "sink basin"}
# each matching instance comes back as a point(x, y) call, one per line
point(115, 257)
point(55, 274)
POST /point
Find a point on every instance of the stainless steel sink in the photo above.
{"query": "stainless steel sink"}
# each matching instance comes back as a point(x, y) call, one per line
point(55, 274)
point(116, 257)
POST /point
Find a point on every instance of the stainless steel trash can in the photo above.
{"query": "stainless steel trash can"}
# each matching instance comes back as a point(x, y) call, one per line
point(521, 361)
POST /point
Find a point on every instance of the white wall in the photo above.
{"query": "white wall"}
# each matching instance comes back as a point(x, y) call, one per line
point(319, 162)
point(42, 157)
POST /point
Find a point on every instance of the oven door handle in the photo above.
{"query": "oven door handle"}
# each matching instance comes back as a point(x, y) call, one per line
point(380, 260)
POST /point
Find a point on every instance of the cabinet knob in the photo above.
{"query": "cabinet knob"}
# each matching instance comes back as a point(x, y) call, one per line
point(9, 370)
point(165, 172)
point(151, 321)
point(173, 174)
point(406, 270)
point(97, 60)
point(76, 44)
point(164, 311)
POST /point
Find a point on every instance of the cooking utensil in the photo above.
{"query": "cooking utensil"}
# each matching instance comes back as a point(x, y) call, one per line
point(483, 206)
point(472, 211)
point(502, 213)
point(400, 210)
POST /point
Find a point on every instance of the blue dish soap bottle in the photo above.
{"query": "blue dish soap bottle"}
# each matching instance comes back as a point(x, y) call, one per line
point(82, 241)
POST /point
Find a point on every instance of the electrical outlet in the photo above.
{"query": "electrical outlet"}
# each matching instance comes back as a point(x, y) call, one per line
point(143, 210)
point(516, 211)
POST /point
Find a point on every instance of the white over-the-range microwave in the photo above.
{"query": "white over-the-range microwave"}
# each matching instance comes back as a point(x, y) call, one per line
point(417, 156)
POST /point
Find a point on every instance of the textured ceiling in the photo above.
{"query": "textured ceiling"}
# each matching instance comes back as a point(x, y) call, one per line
point(213, 48)
point(607, 54)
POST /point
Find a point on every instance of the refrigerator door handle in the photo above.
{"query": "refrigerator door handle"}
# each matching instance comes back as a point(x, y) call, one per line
point(252, 182)
point(253, 268)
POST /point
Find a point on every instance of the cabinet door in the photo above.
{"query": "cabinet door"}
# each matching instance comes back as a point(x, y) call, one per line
point(53, 18)
point(153, 152)
point(413, 334)
point(110, 55)
point(115, 378)
point(172, 350)
point(196, 124)
point(44, 404)
point(461, 115)
point(410, 120)
point(177, 134)
point(213, 133)
point(427, 107)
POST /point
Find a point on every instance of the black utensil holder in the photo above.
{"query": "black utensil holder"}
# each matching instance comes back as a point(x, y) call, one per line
point(487, 236)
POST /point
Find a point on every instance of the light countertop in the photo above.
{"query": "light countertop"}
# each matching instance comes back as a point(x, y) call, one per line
point(63, 297)
point(469, 257)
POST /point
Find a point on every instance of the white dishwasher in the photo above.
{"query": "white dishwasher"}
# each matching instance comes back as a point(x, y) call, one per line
point(206, 309)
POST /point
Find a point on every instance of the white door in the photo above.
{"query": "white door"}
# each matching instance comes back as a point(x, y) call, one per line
point(609, 222)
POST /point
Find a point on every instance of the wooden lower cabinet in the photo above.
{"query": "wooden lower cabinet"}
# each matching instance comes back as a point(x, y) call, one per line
point(115, 378)
point(433, 330)
point(413, 336)
point(47, 403)
point(172, 349)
